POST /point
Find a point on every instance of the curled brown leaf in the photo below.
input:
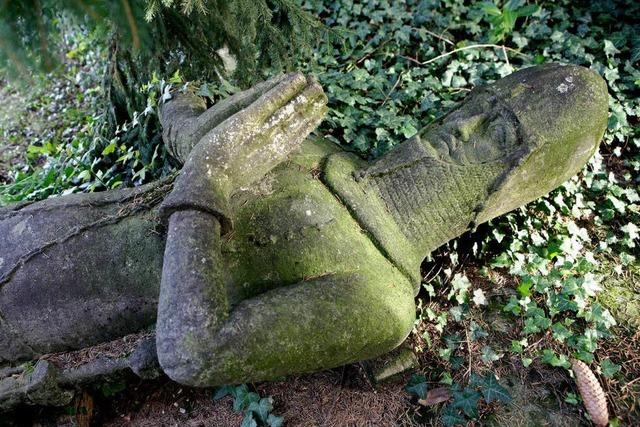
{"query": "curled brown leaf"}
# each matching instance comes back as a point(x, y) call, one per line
point(435, 396)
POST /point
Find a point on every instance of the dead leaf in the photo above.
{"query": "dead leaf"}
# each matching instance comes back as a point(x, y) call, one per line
point(435, 396)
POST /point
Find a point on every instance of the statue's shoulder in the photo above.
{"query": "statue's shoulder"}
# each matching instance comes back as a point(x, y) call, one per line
point(340, 175)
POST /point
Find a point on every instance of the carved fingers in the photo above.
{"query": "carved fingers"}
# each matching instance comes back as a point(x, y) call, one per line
point(226, 108)
point(247, 145)
point(285, 119)
point(185, 119)
point(255, 140)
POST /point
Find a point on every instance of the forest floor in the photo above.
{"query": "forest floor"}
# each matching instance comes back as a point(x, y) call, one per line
point(14, 143)
point(348, 396)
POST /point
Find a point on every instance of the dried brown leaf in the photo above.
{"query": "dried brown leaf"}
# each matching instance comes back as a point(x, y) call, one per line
point(435, 396)
point(84, 410)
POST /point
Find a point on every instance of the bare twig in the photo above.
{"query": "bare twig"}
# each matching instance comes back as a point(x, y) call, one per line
point(411, 59)
point(506, 58)
point(436, 35)
point(386, 98)
point(474, 46)
point(439, 36)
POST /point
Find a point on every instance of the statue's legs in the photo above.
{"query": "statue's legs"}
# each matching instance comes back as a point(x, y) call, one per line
point(78, 270)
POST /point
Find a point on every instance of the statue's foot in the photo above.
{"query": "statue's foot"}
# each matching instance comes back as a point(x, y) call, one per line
point(49, 385)
point(37, 385)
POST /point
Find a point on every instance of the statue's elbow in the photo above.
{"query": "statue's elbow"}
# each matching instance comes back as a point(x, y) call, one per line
point(182, 358)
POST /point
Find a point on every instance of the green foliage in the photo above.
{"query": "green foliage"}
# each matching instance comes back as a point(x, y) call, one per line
point(609, 369)
point(491, 389)
point(257, 410)
point(399, 66)
point(465, 400)
point(559, 249)
point(71, 154)
point(162, 34)
point(503, 19)
point(418, 385)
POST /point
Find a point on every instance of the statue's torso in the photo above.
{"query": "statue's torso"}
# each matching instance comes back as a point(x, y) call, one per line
point(290, 227)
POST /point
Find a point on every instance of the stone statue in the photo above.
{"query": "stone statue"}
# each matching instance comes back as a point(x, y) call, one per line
point(273, 253)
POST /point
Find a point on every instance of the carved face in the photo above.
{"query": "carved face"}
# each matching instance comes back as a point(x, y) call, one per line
point(481, 130)
point(560, 114)
point(506, 144)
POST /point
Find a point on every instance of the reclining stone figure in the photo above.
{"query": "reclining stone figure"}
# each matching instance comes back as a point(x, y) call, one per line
point(274, 252)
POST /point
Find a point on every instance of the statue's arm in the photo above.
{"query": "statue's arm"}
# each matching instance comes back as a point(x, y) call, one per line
point(246, 145)
point(317, 323)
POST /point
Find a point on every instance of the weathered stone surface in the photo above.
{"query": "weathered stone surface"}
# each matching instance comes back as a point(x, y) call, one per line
point(247, 145)
point(392, 364)
point(78, 270)
point(278, 262)
point(55, 383)
point(38, 387)
point(144, 360)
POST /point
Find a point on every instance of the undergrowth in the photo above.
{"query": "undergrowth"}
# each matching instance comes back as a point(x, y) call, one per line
point(525, 293)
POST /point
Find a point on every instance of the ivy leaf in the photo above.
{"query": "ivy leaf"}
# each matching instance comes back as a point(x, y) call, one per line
point(560, 332)
point(248, 420)
point(571, 399)
point(451, 417)
point(524, 289)
point(609, 368)
point(417, 385)
point(261, 408)
point(244, 398)
point(610, 49)
point(489, 355)
point(459, 287)
point(476, 332)
point(223, 391)
point(479, 298)
point(109, 148)
point(492, 391)
point(274, 421)
point(549, 357)
point(513, 306)
point(467, 400)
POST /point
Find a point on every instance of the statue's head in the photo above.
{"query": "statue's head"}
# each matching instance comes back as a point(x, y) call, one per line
point(543, 123)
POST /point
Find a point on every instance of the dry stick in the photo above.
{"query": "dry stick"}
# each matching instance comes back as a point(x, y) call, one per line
point(386, 98)
point(436, 35)
point(466, 333)
point(473, 46)
point(439, 36)
point(410, 59)
point(504, 52)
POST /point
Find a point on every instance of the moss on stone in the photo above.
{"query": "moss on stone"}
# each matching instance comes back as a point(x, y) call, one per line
point(621, 295)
